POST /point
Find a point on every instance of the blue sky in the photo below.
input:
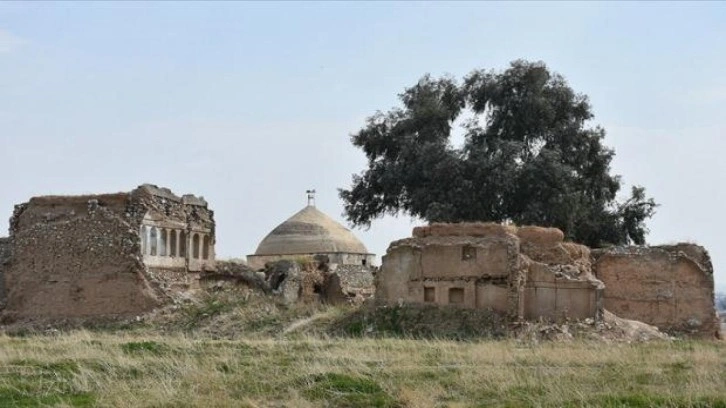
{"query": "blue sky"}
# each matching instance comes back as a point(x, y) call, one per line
point(250, 104)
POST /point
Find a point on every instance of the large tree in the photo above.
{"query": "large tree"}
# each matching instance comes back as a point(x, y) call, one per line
point(529, 156)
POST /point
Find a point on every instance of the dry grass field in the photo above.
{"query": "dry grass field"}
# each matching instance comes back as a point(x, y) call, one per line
point(85, 368)
point(238, 350)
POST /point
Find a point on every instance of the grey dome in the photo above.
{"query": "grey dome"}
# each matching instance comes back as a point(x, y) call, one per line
point(310, 232)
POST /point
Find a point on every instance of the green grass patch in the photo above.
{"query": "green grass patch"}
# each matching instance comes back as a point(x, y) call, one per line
point(341, 390)
point(145, 347)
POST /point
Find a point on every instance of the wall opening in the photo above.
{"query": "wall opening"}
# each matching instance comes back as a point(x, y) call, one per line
point(153, 241)
point(429, 294)
point(172, 243)
point(468, 253)
point(363, 262)
point(456, 295)
point(195, 246)
point(205, 247)
point(144, 240)
point(182, 243)
point(162, 243)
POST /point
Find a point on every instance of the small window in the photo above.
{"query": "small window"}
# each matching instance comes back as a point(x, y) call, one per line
point(429, 294)
point(456, 295)
point(363, 262)
point(468, 253)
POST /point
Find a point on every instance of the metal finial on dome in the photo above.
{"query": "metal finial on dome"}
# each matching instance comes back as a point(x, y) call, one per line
point(311, 197)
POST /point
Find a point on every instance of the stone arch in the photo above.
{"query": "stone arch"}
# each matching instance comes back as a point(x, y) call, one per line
point(205, 247)
point(172, 243)
point(153, 241)
point(195, 246)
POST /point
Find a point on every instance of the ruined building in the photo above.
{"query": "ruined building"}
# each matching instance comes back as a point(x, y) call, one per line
point(531, 273)
point(525, 273)
point(310, 234)
point(670, 286)
point(104, 255)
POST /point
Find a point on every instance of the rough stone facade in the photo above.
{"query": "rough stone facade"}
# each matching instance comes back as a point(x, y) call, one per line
point(104, 255)
point(4, 257)
point(525, 273)
point(670, 287)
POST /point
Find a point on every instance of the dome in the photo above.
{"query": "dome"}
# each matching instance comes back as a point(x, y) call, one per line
point(310, 232)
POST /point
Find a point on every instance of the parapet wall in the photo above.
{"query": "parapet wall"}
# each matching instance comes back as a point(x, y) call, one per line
point(670, 287)
point(526, 272)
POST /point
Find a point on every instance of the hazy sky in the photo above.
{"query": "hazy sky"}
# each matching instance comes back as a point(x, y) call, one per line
point(250, 104)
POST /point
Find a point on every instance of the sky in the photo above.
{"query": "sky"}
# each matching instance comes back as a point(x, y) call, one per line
point(251, 104)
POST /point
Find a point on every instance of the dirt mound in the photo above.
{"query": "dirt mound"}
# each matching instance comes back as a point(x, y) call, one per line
point(610, 329)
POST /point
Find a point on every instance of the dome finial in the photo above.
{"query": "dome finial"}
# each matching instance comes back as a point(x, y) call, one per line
point(311, 197)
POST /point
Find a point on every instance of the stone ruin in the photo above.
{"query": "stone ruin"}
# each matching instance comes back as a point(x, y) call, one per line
point(670, 287)
point(103, 255)
point(531, 273)
point(124, 254)
point(525, 273)
point(306, 279)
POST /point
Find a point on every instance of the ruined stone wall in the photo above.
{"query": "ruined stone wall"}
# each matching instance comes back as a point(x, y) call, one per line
point(84, 256)
point(559, 281)
point(355, 280)
point(4, 257)
point(526, 272)
point(76, 257)
point(178, 233)
point(670, 287)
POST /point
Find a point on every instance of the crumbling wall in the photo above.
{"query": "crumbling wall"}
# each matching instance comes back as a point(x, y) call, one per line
point(75, 257)
point(670, 287)
point(560, 282)
point(4, 258)
point(354, 280)
point(84, 256)
point(188, 227)
point(526, 272)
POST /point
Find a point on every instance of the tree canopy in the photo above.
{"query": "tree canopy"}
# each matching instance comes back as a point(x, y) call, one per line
point(529, 156)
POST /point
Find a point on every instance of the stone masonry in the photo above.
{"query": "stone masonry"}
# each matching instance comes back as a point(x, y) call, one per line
point(670, 287)
point(104, 255)
point(525, 273)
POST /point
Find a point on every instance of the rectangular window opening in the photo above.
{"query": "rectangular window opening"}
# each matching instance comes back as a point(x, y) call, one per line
point(429, 294)
point(468, 253)
point(456, 295)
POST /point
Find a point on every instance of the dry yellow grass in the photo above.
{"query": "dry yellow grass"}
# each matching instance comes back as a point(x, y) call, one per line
point(85, 368)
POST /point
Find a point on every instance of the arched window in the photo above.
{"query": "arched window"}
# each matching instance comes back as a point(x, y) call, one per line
point(153, 243)
point(205, 247)
point(162, 243)
point(195, 246)
point(144, 239)
point(172, 243)
point(182, 244)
